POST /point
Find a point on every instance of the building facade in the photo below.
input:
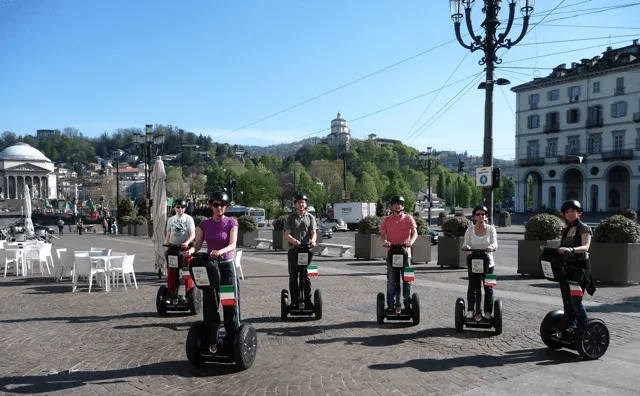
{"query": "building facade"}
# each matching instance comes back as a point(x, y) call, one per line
point(22, 164)
point(340, 135)
point(578, 134)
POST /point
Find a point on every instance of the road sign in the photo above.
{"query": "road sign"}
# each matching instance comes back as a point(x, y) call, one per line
point(483, 176)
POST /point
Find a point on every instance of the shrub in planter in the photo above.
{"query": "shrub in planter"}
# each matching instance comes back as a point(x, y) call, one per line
point(459, 213)
point(125, 220)
point(615, 249)
point(543, 227)
point(456, 226)
point(617, 229)
point(367, 243)
point(279, 222)
point(538, 231)
point(421, 225)
point(450, 245)
point(141, 220)
point(630, 214)
point(421, 250)
point(199, 219)
point(442, 217)
point(279, 241)
point(559, 215)
point(247, 230)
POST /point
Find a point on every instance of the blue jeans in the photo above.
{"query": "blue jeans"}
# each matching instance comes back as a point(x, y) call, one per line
point(393, 285)
point(474, 295)
point(574, 312)
point(224, 274)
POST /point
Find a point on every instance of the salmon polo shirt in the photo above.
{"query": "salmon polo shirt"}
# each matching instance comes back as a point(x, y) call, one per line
point(398, 228)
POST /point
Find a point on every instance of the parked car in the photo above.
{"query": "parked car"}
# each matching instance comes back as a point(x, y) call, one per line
point(326, 230)
point(335, 224)
point(434, 237)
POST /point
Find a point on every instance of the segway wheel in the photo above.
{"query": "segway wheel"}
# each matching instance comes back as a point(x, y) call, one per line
point(380, 307)
point(497, 316)
point(194, 344)
point(415, 309)
point(195, 303)
point(284, 308)
point(592, 339)
point(317, 304)
point(161, 296)
point(245, 346)
point(548, 327)
point(459, 312)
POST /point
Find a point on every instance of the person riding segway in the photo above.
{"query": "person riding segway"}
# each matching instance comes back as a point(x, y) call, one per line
point(398, 233)
point(179, 293)
point(300, 231)
point(481, 241)
point(569, 266)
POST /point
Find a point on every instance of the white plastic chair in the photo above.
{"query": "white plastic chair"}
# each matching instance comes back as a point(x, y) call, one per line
point(238, 262)
point(97, 249)
point(115, 268)
point(14, 261)
point(43, 258)
point(84, 266)
point(65, 262)
point(127, 269)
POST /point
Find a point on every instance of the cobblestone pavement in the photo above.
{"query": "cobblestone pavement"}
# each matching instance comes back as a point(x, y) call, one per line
point(57, 342)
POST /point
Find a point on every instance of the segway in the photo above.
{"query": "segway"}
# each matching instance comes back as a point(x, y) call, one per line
point(591, 339)
point(192, 298)
point(478, 266)
point(205, 346)
point(399, 260)
point(305, 269)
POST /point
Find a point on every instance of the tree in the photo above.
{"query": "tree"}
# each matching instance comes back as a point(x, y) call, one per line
point(366, 191)
point(379, 208)
point(143, 207)
point(440, 184)
point(175, 182)
point(196, 186)
point(126, 208)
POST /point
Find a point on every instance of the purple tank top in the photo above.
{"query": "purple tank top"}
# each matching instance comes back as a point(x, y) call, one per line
point(217, 234)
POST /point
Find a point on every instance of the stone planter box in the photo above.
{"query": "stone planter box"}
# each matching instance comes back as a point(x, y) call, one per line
point(279, 241)
point(140, 229)
point(615, 262)
point(368, 246)
point(528, 254)
point(421, 249)
point(450, 252)
point(247, 238)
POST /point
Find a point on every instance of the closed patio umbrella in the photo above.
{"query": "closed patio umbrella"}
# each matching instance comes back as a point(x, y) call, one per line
point(28, 224)
point(159, 213)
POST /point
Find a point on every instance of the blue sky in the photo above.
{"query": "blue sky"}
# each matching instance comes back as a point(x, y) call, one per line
point(212, 66)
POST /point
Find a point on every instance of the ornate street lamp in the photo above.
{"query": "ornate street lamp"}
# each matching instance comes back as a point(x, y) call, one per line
point(147, 144)
point(427, 160)
point(489, 45)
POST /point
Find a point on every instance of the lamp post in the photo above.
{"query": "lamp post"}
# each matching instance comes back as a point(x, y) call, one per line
point(427, 160)
point(147, 144)
point(489, 45)
point(116, 159)
point(345, 193)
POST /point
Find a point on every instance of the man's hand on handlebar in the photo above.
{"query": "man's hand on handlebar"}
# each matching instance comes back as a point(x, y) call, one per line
point(312, 243)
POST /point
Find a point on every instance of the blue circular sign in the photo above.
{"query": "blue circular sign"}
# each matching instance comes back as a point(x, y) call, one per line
point(483, 179)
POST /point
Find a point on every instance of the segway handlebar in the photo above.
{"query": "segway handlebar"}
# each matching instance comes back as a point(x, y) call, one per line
point(174, 246)
point(476, 250)
point(304, 246)
point(398, 245)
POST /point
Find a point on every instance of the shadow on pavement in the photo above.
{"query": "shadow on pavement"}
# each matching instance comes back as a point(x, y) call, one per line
point(84, 319)
point(70, 379)
point(302, 331)
point(542, 356)
point(385, 340)
point(629, 305)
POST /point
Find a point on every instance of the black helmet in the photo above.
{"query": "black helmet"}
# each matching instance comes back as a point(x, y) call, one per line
point(180, 202)
point(299, 197)
point(571, 204)
point(397, 199)
point(219, 196)
point(480, 207)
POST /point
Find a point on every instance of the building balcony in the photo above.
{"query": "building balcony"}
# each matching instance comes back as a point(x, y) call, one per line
point(571, 158)
point(594, 123)
point(617, 155)
point(531, 161)
point(551, 128)
point(636, 117)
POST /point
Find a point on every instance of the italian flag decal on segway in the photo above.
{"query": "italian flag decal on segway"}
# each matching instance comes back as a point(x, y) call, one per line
point(312, 270)
point(575, 290)
point(227, 296)
point(409, 275)
point(490, 280)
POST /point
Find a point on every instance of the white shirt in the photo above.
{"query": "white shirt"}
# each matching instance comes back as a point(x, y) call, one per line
point(490, 239)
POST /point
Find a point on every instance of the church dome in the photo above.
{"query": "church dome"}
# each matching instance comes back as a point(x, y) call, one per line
point(22, 152)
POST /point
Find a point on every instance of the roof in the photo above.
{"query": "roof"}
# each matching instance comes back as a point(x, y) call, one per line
point(22, 152)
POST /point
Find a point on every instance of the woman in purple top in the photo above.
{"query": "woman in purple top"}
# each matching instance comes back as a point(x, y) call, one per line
point(221, 234)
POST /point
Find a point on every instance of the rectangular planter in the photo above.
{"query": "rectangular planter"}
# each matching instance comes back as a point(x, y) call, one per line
point(247, 238)
point(450, 252)
point(368, 246)
point(279, 241)
point(528, 254)
point(615, 262)
point(421, 249)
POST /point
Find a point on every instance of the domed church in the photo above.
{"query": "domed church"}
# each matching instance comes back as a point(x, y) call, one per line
point(22, 164)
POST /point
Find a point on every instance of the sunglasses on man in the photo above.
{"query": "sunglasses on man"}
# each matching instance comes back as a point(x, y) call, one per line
point(179, 207)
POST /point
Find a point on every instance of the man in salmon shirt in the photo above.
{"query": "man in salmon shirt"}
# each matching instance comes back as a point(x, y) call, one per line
point(398, 229)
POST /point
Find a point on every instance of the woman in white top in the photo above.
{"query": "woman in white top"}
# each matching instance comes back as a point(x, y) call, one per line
point(481, 236)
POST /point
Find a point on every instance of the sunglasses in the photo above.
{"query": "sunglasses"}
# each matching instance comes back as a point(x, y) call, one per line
point(481, 214)
point(216, 204)
point(179, 207)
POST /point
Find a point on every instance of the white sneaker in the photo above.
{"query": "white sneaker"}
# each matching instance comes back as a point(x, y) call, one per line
point(487, 316)
point(470, 314)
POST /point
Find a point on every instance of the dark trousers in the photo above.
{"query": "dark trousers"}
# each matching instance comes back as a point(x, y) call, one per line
point(222, 273)
point(60, 230)
point(474, 294)
point(393, 283)
point(295, 272)
point(574, 312)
